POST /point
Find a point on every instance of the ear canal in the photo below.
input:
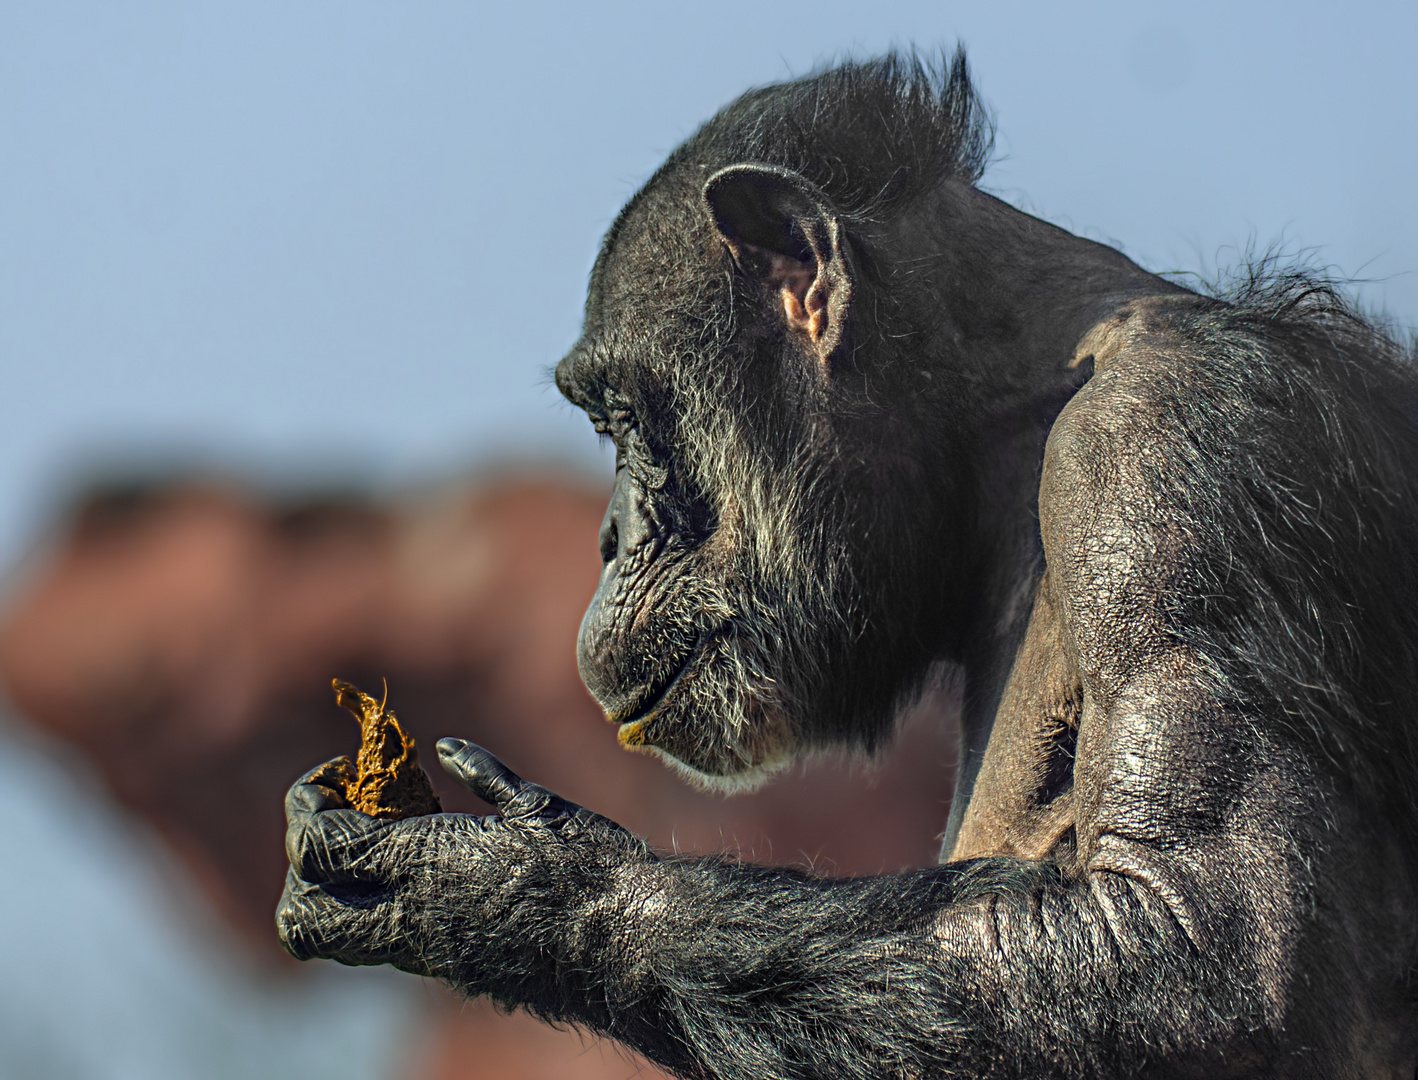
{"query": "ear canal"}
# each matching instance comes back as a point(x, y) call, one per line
point(763, 207)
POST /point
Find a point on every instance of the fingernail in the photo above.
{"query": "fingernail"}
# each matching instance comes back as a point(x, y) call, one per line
point(449, 747)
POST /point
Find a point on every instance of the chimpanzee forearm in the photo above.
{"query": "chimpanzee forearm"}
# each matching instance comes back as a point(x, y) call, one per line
point(1170, 936)
point(996, 967)
point(1157, 943)
point(702, 964)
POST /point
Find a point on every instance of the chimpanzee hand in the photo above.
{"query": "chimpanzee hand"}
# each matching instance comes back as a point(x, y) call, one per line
point(480, 901)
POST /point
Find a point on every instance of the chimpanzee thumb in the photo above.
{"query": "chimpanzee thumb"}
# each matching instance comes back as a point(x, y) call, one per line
point(481, 772)
point(522, 802)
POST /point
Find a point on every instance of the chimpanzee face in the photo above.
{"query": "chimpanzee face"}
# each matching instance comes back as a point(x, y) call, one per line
point(735, 613)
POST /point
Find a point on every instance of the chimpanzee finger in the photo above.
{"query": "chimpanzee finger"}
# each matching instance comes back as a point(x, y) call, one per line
point(481, 772)
point(317, 790)
point(295, 918)
point(336, 846)
point(516, 799)
point(329, 845)
point(313, 923)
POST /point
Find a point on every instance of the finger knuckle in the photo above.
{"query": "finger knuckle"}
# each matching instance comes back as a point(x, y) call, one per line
point(315, 859)
point(292, 935)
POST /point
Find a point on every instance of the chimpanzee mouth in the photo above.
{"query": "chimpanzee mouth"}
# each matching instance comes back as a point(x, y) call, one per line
point(653, 698)
point(358, 894)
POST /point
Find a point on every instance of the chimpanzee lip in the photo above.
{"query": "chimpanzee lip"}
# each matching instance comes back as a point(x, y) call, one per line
point(654, 697)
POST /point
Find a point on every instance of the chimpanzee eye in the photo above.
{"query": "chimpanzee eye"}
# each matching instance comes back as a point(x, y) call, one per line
point(631, 449)
point(617, 406)
point(621, 424)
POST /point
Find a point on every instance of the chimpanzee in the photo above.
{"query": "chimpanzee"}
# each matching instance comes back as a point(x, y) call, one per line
point(872, 424)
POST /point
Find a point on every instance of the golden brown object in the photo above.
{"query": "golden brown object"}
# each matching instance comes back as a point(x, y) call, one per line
point(385, 781)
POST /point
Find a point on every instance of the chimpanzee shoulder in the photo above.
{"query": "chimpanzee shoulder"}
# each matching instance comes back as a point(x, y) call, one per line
point(1259, 448)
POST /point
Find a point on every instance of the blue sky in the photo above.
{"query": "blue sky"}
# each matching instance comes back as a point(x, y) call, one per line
point(346, 239)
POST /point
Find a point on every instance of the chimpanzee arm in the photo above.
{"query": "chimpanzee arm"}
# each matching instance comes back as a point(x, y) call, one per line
point(1164, 942)
point(1168, 941)
point(1170, 937)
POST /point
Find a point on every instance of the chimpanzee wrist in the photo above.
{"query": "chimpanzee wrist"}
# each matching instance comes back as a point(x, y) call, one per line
point(527, 914)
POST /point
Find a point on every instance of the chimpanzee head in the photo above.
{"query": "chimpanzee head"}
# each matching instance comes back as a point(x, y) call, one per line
point(776, 540)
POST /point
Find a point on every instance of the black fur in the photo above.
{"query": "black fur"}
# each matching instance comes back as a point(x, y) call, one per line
point(871, 424)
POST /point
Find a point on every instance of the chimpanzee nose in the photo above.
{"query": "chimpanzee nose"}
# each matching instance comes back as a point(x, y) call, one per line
point(610, 534)
point(611, 664)
point(626, 526)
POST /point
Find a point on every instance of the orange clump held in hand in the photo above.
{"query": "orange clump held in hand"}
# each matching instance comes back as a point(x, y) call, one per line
point(385, 780)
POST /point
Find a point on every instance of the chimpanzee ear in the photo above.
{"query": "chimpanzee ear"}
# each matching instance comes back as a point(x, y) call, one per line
point(781, 228)
point(763, 207)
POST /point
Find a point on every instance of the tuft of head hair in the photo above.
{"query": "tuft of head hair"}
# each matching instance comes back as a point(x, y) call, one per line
point(868, 132)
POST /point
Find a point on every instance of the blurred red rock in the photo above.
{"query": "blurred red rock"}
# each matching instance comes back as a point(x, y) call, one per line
point(184, 637)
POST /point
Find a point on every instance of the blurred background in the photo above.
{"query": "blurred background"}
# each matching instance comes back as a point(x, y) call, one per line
point(280, 286)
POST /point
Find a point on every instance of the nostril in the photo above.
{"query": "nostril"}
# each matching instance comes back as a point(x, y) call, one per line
point(610, 542)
